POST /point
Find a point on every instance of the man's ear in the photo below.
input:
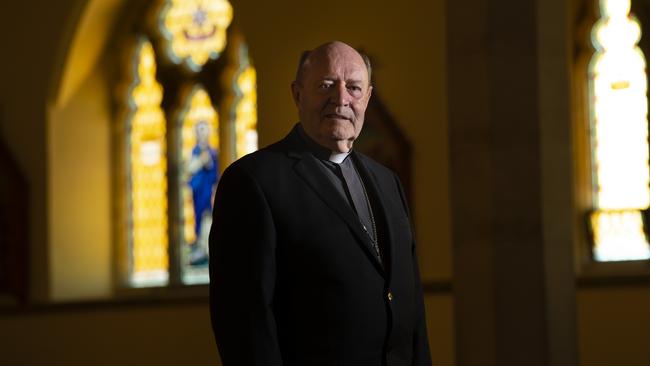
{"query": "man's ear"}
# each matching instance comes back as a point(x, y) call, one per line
point(369, 94)
point(295, 93)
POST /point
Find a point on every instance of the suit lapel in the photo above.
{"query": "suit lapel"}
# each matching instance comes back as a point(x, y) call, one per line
point(307, 168)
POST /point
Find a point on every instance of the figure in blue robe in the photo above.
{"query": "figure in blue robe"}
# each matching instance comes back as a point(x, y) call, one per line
point(203, 167)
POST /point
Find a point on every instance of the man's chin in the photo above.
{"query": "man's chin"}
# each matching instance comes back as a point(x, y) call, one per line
point(338, 127)
point(342, 146)
point(341, 136)
point(341, 142)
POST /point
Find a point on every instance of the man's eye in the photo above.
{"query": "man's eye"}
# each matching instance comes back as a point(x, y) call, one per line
point(325, 85)
point(355, 90)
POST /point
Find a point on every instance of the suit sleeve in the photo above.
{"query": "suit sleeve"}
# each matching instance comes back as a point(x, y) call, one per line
point(242, 273)
point(421, 353)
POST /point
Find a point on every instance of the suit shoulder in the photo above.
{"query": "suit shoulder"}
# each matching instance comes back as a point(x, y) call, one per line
point(260, 162)
point(376, 167)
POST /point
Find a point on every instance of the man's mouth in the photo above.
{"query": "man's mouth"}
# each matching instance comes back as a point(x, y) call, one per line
point(336, 116)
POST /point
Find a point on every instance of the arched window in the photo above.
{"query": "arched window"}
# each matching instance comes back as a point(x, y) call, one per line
point(188, 97)
point(618, 110)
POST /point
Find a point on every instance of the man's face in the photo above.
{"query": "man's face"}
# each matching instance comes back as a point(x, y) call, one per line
point(332, 96)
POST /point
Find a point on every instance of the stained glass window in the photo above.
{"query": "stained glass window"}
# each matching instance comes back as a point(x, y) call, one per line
point(172, 144)
point(194, 30)
point(198, 126)
point(147, 178)
point(619, 136)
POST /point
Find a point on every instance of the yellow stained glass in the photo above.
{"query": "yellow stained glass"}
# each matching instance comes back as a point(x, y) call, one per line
point(194, 31)
point(623, 227)
point(619, 108)
point(199, 123)
point(239, 80)
point(147, 190)
point(246, 113)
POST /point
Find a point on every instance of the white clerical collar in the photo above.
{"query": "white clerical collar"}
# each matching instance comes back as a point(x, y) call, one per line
point(338, 157)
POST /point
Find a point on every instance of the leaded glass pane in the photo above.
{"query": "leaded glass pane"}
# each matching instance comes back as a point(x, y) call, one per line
point(240, 83)
point(619, 133)
point(198, 125)
point(246, 120)
point(147, 174)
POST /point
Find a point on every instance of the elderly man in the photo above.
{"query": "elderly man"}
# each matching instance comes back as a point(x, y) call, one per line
point(312, 255)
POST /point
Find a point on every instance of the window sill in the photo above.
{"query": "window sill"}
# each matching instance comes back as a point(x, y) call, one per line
point(123, 298)
point(609, 274)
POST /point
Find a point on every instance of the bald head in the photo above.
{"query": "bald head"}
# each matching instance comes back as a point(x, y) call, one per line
point(307, 56)
point(332, 90)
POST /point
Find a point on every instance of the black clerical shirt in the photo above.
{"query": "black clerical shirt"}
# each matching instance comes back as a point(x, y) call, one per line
point(342, 172)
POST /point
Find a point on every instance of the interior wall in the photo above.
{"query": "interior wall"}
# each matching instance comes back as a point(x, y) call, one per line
point(613, 325)
point(440, 328)
point(154, 334)
point(80, 193)
point(33, 40)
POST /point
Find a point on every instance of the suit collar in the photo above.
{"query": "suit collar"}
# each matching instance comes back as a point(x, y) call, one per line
point(303, 143)
point(317, 150)
point(294, 144)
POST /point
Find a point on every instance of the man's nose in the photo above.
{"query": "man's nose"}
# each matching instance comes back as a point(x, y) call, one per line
point(340, 95)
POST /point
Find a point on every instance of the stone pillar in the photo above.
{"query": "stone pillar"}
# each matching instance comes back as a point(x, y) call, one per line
point(511, 182)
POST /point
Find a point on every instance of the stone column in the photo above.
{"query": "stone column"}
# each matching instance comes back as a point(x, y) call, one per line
point(511, 182)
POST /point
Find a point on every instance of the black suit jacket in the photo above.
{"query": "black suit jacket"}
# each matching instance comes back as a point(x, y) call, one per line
point(293, 277)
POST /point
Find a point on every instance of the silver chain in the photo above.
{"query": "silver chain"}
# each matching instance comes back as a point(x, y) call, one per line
point(374, 240)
